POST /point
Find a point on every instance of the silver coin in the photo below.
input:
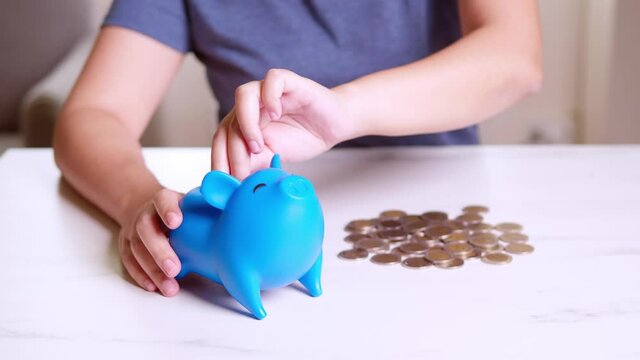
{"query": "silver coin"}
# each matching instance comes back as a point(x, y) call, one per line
point(392, 214)
point(389, 224)
point(434, 243)
point(418, 262)
point(394, 235)
point(492, 249)
point(408, 219)
point(453, 264)
point(475, 209)
point(496, 258)
point(427, 240)
point(353, 254)
point(519, 248)
point(355, 237)
point(479, 228)
point(421, 236)
point(385, 259)
point(496, 247)
point(361, 225)
point(469, 218)
point(514, 237)
point(414, 248)
point(435, 216)
point(460, 249)
point(483, 240)
point(397, 251)
point(454, 224)
point(416, 226)
point(431, 238)
point(438, 231)
point(437, 255)
point(475, 254)
point(372, 245)
point(457, 236)
point(508, 227)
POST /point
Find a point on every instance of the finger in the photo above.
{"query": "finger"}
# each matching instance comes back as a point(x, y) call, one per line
point(272, 90)
point(277, 83)
point(239, 156)
point(262, 160)
point(133, 268)
point(219, 158)
point(167, 204)
point(168, 286)
point(157, 244)
point(248, 115)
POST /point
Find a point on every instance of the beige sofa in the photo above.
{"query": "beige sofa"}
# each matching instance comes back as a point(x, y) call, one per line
point(50, 42)
point(186, 117)
point(34, 36)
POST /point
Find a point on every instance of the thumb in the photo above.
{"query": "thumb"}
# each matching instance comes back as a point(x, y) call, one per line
point(167, 205)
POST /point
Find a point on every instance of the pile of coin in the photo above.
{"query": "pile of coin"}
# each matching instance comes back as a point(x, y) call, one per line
point(434, 239)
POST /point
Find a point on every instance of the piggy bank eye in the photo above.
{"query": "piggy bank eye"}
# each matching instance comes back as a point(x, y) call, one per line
point(258, 186)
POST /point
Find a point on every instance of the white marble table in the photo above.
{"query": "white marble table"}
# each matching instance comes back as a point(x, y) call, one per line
point(63, 295)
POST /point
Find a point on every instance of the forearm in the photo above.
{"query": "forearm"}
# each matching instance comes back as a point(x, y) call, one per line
point(102, 159)
point(469, 81)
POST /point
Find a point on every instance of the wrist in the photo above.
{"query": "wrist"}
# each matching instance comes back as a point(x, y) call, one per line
point(135, 196)
point(352, 123)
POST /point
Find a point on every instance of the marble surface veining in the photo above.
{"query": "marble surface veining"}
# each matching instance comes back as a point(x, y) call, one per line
point(64, 295)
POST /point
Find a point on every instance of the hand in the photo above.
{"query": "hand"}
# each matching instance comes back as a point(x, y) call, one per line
point(144, 245)
point(285, 114)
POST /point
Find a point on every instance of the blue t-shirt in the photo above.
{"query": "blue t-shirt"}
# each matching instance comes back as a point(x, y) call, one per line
point(328, 41)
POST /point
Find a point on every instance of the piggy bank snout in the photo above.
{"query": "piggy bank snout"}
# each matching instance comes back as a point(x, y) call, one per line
point(297, 187)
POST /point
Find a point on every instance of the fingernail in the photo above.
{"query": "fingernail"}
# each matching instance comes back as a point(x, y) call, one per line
point(273, 115)
point(172, 218)
point(169, 287)
point(169, 267)
point(254, 146)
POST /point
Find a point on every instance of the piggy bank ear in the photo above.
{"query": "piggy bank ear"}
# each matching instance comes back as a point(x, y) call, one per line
point(217, 188)
point(275, 162)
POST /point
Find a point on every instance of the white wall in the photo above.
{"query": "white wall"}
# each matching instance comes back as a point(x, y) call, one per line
point(548, 116)
point(591, 92)
point(188, 115)
point(621, 123)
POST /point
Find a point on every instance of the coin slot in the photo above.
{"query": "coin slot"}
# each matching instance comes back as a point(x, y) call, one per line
point(258, 187)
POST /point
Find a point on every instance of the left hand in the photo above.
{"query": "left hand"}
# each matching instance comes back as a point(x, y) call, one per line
point(144, 246)
point(286, 114)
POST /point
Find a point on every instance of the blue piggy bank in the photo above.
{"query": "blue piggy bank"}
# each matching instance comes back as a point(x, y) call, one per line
point(263, 233)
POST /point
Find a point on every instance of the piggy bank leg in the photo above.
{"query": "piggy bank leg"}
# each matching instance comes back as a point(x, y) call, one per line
point(311, 280)
point(246, 290)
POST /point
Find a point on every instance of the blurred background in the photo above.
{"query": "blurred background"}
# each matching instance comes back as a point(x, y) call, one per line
point(591, 90)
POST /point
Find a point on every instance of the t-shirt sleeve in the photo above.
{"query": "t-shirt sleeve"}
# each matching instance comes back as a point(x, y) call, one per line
point(163, 20)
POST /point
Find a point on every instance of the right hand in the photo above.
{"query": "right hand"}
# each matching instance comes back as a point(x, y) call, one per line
point(144, 245)
point(286, 114)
